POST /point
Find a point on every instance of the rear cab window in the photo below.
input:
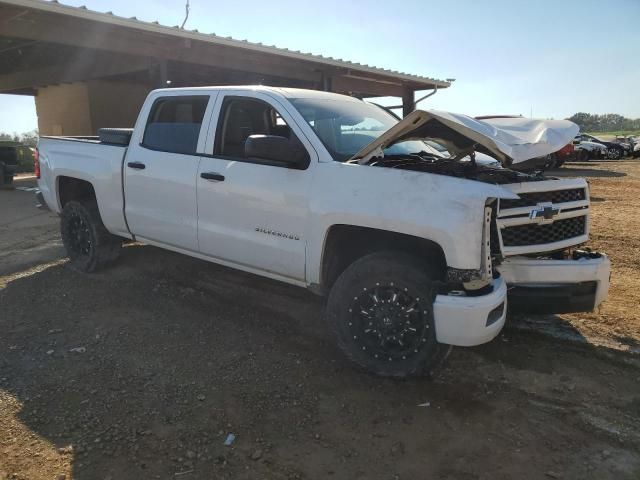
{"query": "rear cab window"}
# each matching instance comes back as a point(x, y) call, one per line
point(174, 124)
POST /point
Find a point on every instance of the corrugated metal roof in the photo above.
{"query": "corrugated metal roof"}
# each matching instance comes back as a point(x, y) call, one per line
point(108, 17)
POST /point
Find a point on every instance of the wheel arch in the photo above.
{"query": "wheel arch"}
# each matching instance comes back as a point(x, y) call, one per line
point(344, 244)
point(73, 188)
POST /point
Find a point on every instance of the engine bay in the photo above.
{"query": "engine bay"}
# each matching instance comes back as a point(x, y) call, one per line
point(451, 167)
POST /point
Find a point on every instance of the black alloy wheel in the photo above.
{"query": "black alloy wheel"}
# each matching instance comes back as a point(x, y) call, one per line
point(381, 310)
point(79, 241)
point(391, 322)
point(88, 243)
point(613, 153)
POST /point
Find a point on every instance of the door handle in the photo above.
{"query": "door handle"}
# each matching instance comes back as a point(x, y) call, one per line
point(136, 165)
point(212, 176)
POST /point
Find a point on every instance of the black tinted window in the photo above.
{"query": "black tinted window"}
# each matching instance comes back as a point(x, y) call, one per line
point(174, 124)
point(243, 117)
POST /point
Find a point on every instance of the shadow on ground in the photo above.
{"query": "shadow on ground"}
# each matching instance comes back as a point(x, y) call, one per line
point(585, 171)
point(143, 370)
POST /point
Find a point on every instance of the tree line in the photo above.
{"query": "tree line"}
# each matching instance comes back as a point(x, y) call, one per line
point(30, 139)
point(588, 122)
point(609, 122)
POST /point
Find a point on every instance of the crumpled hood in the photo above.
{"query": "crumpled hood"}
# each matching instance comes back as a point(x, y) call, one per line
point(510, 140)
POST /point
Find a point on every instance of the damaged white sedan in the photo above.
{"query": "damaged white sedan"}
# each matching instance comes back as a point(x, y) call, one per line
point(415, 251)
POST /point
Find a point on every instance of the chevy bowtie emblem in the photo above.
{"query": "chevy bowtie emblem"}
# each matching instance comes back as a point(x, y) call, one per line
point(544, 213)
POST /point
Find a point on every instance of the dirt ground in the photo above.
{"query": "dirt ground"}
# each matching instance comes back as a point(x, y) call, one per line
point(143, 371)
point(615, 229)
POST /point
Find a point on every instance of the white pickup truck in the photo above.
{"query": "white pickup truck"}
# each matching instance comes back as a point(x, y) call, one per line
point(414, 250)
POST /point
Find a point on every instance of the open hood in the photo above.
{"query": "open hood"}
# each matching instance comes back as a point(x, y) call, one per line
point(510, 140)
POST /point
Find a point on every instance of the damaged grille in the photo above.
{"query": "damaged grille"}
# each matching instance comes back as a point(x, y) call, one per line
point(555, 196)
point(533, 234)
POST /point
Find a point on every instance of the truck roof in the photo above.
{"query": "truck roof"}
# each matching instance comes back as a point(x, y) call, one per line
point(285, 92)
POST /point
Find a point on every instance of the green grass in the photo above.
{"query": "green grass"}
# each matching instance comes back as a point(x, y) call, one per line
point(615, 133)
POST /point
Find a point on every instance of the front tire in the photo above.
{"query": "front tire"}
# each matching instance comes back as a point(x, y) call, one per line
point(381, 311)
point(89, 244)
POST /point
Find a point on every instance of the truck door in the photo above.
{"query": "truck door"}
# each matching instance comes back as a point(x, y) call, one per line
point(253, 213)
point(160, 171)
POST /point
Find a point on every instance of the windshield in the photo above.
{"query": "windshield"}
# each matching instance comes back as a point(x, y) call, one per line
point(345, 127)
point(591, 137)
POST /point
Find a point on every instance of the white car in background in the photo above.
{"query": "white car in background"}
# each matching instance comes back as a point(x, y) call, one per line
point(586, 151)
point(636, 148)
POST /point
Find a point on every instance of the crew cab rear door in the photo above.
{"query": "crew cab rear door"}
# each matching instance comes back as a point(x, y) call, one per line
point(253, 213)
point(161, 167)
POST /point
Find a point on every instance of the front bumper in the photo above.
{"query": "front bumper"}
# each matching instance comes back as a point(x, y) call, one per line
point(556, 286)
point(467, 321)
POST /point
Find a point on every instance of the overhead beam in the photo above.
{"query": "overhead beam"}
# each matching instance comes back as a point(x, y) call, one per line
point(94, 35)
point(122, 36)
point(78, 70)
point(365, 87)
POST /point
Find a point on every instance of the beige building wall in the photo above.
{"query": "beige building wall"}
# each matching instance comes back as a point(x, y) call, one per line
point(82, 108)
point(115, 104)
point(63, 110)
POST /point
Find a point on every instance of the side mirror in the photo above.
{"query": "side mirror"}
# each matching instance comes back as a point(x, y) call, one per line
point(276, 149)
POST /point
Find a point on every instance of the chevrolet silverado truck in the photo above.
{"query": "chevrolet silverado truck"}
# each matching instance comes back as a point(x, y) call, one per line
point(415, 251)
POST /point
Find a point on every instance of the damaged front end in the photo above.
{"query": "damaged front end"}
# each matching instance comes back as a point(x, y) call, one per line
point(529, 241)
point(474, 282)
point(536, 247)
point(535, 243)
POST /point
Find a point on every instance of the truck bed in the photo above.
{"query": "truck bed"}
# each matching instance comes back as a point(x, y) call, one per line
point(109, 136)
point(92, 160)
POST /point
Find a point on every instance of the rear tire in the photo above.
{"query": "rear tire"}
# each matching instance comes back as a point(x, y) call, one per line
point(381, 311)
point(6, 179)
point(89, 244)
point(585, 156)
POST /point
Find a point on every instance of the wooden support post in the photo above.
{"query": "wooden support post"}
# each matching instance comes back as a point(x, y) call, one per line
point(162, 74)
point(408, 101)
point(326, 82)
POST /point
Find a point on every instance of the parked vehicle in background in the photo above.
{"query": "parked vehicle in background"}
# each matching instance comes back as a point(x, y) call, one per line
point(479, 158)
point(626, 142)
point(414, 250)
point(585, 151)
point(636, 149)
point(563, 155)
point(614, 150)
point(9, 159)
point(557, 159)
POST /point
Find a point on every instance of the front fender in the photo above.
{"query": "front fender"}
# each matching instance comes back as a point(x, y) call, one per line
point(446, 210)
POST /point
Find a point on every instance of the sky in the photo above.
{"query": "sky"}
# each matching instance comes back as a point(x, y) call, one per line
point(541, 57)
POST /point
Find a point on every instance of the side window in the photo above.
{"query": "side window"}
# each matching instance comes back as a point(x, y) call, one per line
point(174, 124)
point(242, 117)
